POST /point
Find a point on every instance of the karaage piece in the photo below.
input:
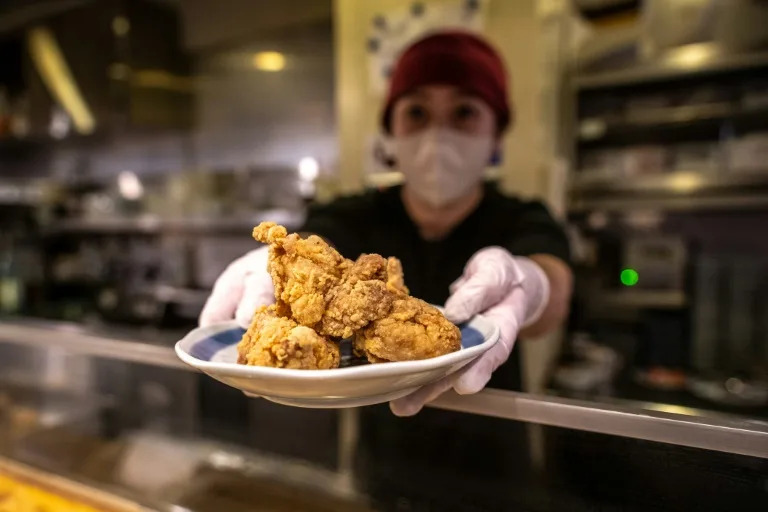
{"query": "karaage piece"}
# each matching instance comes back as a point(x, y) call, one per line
point(412, 330)
point(279, 342)
point(362, 296)
point(303, 271)
point(325, 291)
point(395, 276)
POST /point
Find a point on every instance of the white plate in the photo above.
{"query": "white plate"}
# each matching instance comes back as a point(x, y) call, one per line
point(213, 350)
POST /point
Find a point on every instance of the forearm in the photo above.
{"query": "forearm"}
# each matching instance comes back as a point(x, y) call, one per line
point(560, 290)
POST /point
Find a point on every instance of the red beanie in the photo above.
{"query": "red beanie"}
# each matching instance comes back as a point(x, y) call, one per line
point(452, 58)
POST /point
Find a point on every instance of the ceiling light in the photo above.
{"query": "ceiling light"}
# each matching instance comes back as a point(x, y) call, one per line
point(58, 79)
point(691, 56)
point(269, 61)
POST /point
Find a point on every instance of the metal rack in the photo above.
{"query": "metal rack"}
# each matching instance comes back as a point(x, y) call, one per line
point(151, 224)
point(712, 60)
point(674, 191)
point(20, 193)
point(631, 299)
point(716, 188)
point(657, 153)
point(657, 124)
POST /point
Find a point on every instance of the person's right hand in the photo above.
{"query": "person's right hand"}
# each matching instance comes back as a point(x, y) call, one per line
point(240, 290)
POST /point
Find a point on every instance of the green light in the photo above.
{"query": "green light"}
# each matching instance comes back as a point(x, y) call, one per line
point(629, 277)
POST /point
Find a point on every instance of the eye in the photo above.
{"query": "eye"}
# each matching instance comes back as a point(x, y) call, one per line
point(416, 112)
point(465, 112)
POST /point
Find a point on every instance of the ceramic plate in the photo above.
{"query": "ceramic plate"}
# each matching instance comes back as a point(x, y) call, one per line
point(213, 350)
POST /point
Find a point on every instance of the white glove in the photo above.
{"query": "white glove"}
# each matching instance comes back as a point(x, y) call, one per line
point(510, 291)
point(240, 290)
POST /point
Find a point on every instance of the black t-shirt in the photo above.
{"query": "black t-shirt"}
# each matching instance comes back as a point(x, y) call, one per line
point(377, 222)
point(439, 456)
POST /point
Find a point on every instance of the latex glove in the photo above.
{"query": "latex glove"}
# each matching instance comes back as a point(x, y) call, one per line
point(511, 292)
point(240, 290)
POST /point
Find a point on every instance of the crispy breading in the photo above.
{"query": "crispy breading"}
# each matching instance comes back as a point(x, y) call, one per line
point(322, 295)
point(395, 276)
point(303, 271)
point(412, 330)
point(279, 342)
point(361, 297)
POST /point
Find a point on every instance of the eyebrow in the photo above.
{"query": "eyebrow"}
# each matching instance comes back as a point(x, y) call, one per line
point(464, 94)
point(418, 93)
point(458, 95)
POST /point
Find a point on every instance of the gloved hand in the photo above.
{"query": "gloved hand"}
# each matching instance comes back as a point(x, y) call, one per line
point(240, 290)
point(510, 291)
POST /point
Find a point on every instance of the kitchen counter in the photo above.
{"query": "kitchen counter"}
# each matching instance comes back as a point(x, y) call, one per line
point(680, 399)
point(159, 467)
point(649, 421)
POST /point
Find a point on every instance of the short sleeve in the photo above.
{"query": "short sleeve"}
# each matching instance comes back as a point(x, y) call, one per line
point(537, 232)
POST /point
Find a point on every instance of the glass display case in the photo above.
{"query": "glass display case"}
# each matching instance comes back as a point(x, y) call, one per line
point(119, 413)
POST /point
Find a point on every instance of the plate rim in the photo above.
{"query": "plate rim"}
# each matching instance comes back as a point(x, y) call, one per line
point(390, 369)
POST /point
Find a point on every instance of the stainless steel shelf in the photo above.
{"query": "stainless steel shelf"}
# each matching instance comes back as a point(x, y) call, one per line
point(637, 299)
point(675, 121)
point(674, 191)
point(742, 437)
point(151, 224)
point(676, 182)
point(711, 60)
point(671, 204)
point(20, 193)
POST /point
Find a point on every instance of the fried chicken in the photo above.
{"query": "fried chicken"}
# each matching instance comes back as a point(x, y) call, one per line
point(303, 271)
point(320, 294)
point(279, 342)
point(361, 297)
point(325, 291)
point(395, 277)
point(412, 330)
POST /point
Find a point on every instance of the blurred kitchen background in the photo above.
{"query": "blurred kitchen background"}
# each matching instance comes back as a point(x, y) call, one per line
point(141, 140)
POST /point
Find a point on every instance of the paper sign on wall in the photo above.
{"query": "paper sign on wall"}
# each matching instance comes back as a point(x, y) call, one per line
point(393, 31)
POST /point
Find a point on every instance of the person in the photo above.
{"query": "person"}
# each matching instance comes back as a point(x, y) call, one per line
point(461, 241)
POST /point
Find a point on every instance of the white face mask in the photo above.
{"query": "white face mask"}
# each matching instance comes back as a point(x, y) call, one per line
point(441, 165)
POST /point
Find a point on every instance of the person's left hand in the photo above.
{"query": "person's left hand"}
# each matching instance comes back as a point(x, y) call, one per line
point(509, 291)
